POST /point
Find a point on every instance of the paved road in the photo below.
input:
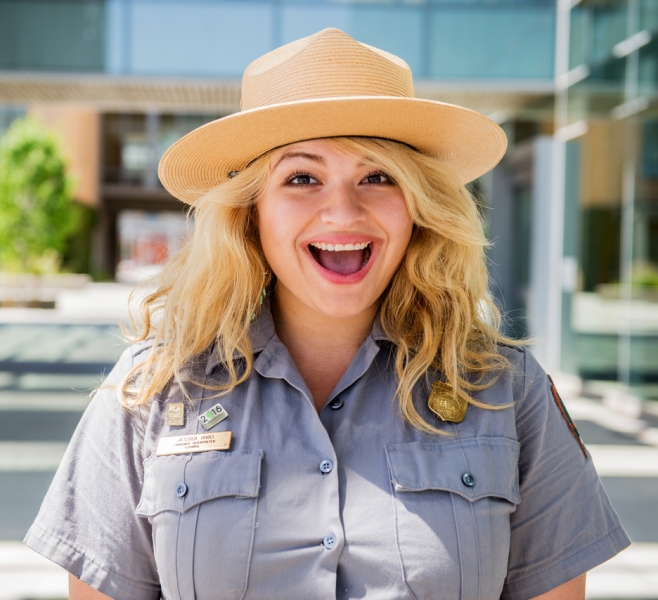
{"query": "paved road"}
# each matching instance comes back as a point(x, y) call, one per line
point(46, 374)
point(47, 370)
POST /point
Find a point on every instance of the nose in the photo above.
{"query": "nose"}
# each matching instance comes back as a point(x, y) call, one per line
point(342, 208)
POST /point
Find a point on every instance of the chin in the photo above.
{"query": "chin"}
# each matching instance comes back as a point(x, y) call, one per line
point(343, 308)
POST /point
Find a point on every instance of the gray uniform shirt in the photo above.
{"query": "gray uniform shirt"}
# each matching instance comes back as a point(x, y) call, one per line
point(350, 503)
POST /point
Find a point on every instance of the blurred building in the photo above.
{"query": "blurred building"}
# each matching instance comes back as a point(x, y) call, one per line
point(607, 137)
point(570, 209)
point(123, 79)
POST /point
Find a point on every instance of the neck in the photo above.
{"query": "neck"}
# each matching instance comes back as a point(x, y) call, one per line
point(322, 347)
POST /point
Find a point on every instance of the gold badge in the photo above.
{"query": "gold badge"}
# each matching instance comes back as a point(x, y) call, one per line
point(176, 414)
point(445, 405)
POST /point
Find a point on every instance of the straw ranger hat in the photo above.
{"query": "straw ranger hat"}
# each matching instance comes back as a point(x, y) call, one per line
point(328, 85)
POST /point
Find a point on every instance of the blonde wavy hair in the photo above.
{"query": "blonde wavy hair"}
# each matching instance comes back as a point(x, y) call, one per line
point(436, 309)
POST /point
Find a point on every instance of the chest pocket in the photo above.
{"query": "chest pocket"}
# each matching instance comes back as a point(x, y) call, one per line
point(202, 508)
point(452, 505)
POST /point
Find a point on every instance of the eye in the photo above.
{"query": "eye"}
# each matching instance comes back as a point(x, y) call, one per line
point(300, 179)
point(377, 177)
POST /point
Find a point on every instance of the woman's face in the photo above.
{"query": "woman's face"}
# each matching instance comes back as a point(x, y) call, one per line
point(333, 229)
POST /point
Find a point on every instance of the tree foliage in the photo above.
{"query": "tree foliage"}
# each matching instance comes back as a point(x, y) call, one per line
point(37, 212)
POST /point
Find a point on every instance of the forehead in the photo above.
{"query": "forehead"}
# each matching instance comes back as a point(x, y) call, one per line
point(321, 151)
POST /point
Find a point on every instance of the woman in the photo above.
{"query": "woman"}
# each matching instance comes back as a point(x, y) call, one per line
point(320, 404)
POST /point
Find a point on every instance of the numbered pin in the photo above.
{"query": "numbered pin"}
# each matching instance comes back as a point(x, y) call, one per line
point(212, 416)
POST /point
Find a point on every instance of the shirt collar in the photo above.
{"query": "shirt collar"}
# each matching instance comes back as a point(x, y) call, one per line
point(378, 334)
point(262, 331)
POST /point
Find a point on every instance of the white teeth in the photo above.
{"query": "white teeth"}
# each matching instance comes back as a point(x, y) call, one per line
point(340, 247)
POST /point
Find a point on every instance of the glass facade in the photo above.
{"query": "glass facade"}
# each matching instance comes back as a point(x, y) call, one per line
point(41, 35)
point(457, 39)
point(612, 195)
point(133, 144)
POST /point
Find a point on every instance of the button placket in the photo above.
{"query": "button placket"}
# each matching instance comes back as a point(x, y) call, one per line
point(326, 466)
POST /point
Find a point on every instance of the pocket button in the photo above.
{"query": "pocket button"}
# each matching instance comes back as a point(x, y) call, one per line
point(181, 490)
point(468, 480)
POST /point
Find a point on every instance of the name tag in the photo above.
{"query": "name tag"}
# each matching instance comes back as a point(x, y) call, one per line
point(202, 442)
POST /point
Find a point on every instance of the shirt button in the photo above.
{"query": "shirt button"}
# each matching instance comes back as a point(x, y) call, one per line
point(181, 490)
point(329, 541)
point(336, 404)
point(468, 479)
point(326, 466)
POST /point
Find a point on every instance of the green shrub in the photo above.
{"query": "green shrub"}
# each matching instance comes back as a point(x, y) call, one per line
point(37, 213)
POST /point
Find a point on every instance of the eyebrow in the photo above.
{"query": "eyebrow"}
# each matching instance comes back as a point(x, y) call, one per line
point(295, 154)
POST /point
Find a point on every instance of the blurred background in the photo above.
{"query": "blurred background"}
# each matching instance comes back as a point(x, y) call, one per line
point(92, 92)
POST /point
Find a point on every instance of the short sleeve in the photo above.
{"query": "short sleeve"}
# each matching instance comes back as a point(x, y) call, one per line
point(87, 522)
point(564, 525)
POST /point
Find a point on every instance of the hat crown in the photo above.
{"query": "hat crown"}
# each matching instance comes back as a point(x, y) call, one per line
point(327, 64)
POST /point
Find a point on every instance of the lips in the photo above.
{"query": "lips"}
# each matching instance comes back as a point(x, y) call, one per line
point(342, 259)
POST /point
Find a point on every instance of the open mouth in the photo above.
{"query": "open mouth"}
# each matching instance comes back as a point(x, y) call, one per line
point(344, 259)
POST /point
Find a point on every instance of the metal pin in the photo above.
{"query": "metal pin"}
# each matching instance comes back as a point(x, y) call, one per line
point(176, 414)
point(211, 417)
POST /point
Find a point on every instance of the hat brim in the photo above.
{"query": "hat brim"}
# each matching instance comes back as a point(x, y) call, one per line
point(465, 140)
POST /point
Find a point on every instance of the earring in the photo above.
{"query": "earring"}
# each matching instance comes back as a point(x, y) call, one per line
point(263, 294)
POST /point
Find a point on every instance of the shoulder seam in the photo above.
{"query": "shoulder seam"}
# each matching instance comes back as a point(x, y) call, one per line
point(145, 345)
point(521, 349)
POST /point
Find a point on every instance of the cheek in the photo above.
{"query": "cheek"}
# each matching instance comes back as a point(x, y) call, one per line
point(269, 237)
point(276, 226)
point(399, 225)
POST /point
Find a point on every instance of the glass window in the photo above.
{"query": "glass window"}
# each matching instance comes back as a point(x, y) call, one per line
point(642, 344)
point(614, 312)
point(490, 2)
point(218, 39)
point(579, 42)
point(596, 27)
point(608, 28)
point(517, 307)
point(300, 20)
point(134, 143)
point(54, 36)
point(123, 140)
point(501, 42)
point(595, 309)
point(397, 30)
point(648, 15)
point(648, 69)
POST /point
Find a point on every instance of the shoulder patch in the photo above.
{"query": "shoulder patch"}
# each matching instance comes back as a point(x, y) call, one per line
point(565, 415)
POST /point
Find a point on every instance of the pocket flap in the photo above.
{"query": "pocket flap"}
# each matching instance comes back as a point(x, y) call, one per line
point(205, 476)
point(492, 463)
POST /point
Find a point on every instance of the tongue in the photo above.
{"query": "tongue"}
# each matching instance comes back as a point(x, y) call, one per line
point(345, 262)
